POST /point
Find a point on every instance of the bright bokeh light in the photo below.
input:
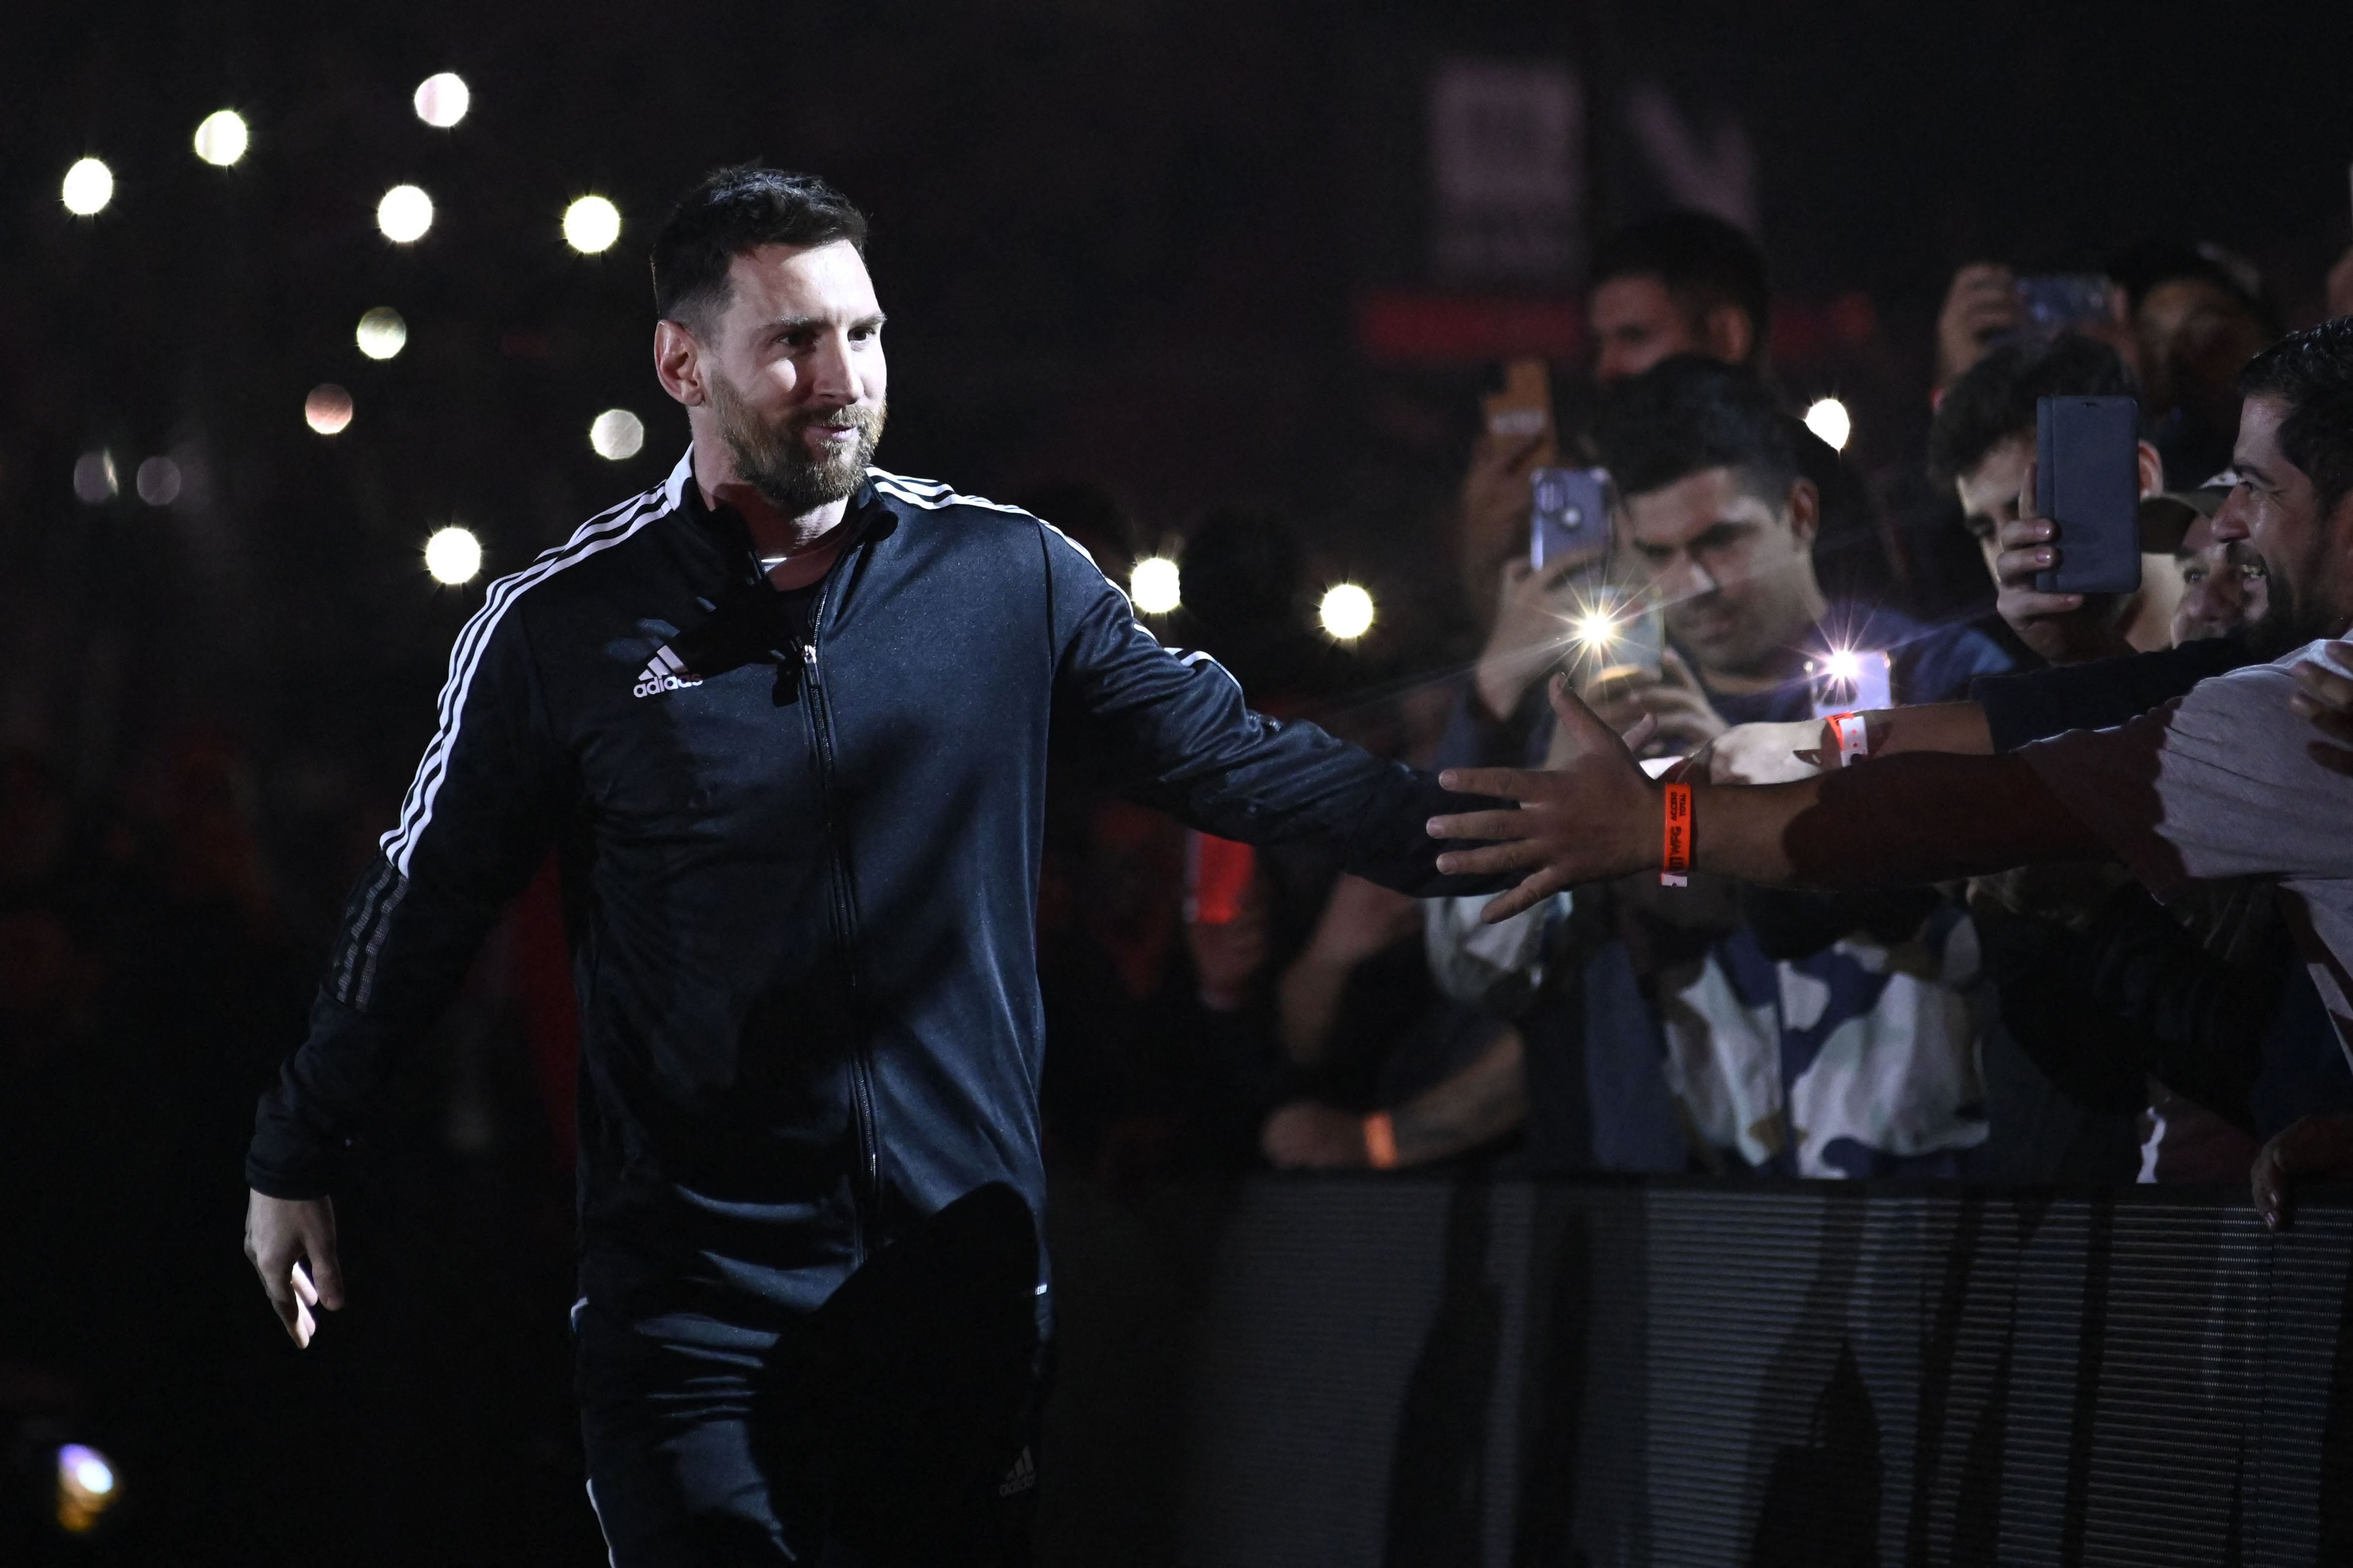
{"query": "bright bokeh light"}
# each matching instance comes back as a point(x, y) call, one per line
point(1156, 585)
point(453, 556)
point(591, 223)
point(616, 434)
point(1828, 419)
point(89, 185)
point(403, 215)
point(86, 1487)
point(328, 409)
point(442, 100)
point(158, 481)
point(1346, 612)
point(221, 137)
point(94, 479)
point(382, 334)
point(1595, 629)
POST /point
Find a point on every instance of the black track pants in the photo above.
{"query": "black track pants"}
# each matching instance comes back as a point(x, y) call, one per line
point(894, 1426)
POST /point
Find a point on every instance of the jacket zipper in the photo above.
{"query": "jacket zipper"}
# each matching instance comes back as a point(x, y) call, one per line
point(868, 1189)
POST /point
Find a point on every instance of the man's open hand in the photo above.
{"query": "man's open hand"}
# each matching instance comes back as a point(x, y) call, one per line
point(281, 1235)
point(2327, 700)
point(1593, 816)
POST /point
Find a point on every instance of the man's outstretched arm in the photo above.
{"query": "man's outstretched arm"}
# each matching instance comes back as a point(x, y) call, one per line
point(1179, 736)
point(1902, 820)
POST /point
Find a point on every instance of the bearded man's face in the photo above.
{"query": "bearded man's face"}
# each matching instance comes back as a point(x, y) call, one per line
point(2305, 548)
point(795, 385)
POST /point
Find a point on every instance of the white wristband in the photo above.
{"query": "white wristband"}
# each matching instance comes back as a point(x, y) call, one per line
point(1853, 737)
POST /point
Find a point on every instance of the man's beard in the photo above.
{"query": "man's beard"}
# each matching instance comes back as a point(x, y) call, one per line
point(2294, 614)
point(774, 461)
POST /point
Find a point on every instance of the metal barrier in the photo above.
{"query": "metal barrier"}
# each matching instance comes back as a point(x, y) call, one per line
point(1369, 1371)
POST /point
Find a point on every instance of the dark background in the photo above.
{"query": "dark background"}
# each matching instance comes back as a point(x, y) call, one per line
point(1122, 241)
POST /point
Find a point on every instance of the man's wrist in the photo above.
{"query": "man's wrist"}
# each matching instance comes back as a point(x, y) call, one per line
point(270, 1185)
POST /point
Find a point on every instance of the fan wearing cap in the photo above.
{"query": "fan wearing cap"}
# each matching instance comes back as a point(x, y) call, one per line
point(2224, 585)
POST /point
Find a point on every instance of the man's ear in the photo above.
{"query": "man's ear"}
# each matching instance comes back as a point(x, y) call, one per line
point(677, 362)
point(1805, 509)
point(1729, 334)
point(2152, 470)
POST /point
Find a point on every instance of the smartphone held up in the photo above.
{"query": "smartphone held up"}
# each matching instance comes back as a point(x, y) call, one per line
point(1569, 517)
point(2087, 483)
point(1522, 411)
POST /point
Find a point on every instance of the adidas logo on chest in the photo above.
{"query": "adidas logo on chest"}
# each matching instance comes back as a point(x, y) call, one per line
point(664, 672)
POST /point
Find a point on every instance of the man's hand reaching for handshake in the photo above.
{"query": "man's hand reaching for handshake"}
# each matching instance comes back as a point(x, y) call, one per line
point(1922, 817)
point(1593, 815)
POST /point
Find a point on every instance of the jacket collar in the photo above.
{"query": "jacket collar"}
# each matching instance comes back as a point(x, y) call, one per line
point(724, 526)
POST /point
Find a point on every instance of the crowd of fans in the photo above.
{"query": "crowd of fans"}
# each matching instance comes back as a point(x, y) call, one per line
point(2052, 1025)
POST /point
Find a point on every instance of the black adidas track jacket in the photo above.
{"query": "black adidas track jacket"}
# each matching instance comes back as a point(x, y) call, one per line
point(799, 870)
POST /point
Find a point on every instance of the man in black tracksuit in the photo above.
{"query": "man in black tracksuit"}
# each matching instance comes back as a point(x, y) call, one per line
point(787, 720)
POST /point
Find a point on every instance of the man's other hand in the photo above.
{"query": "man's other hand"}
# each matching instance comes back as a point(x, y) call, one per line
point(1595, 816)
point(1305, 1136)
point(1683, 718)
point(281, 1235)
point(1981, 305)
point(2308, 1146)
point(2065, 628)
point(2327, 700)
point(1533, 610)
point(1497, 502)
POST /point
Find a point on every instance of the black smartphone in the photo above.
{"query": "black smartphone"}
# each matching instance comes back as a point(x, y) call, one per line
point(1571, 514)
point(2087, 482)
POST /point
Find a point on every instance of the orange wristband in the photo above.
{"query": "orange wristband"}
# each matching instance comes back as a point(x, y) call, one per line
point(1380, 1141)
point(1675, 851)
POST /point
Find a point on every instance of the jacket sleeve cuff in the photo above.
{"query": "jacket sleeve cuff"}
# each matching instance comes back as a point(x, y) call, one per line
point(1393, 847)
point(273, 1184)
point(286, 1158)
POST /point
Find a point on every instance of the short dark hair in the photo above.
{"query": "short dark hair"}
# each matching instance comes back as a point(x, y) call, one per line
point(2312, 372)
point(1702, 260)
point(1688, 414)
point(1994, 399)
point(731, 212)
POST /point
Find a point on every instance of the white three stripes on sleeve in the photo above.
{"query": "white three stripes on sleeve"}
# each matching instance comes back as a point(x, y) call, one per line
point(599, 533)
